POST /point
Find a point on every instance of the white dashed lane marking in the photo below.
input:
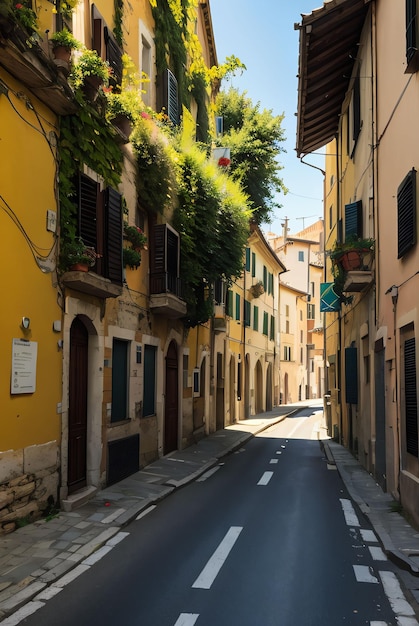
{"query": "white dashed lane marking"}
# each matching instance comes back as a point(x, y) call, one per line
point(210, 571)
point(266, 477)
point(349, 513)
point(187, 619)
point(363, 574)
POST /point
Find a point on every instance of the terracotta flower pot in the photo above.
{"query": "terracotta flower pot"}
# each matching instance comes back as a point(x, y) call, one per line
point(79, 267)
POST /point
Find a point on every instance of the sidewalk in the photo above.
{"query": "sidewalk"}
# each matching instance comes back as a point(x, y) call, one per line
point(34, 558)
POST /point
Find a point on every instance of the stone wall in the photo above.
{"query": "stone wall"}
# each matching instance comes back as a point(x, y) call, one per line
point(28, 484)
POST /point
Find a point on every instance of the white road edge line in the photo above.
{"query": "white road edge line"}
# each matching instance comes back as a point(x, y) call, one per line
point(405, 615)
point(363, 574)
point(207, 474)
point(349, 513)
point(266, 477)
point(210, 571)
point(187, 619)
point(146, 512)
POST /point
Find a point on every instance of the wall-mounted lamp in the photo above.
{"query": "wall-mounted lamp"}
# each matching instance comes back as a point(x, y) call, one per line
point(26, 322)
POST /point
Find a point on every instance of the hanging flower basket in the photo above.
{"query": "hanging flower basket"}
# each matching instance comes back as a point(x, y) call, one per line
point(257, 289)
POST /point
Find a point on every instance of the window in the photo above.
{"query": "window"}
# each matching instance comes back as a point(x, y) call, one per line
point(255, 318)
point(410, 391)
point(312, 289)
point(351, 375)
point(119, 409)
point(287, 310)
point(412, 59)
point(237, 306)
point(167, 96)
point(229, 303)
point(272, 328)
point(353, 220)
point(406, 214)
point(219, 291)
point(147, 64)
point(246, 313)
point(354, 117)
point(100, 225)
point(164, 261)
point(253, 264)
point(301, 255)
point(149, 400)
point(287, 353)
point(247, 262)
point(301, 336)
point(265, 278)
point(287, 326)
point(311, 312)
point(270, 283)
point(265, 323)
point(105, 45)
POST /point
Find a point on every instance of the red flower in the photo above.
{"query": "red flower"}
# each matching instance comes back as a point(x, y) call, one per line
point(223, 162)
point(145, 115)
point(19, 6)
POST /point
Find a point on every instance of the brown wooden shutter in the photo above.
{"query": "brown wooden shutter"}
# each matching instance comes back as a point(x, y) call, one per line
point(87, 202)
point(411, 402)
point(406, 214)
point(113, 235)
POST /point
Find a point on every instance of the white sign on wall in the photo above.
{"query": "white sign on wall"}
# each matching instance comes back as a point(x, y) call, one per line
point(23, 378)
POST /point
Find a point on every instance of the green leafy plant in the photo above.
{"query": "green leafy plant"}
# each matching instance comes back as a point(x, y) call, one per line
point(127, 103)
point(66, 7)
point(135, 236)
point(26, 17)
point(363, 245)
point(89, 64)
point(74, 251)
point(65, 39)
point(131, 258)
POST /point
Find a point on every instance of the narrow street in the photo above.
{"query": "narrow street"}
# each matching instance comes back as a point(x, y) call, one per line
point(268, 537)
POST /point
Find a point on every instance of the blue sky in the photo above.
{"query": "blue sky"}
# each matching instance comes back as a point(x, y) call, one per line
point(261, 34)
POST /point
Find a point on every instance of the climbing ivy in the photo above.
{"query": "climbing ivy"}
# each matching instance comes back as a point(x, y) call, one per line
point(212, 218)
point(86, 137)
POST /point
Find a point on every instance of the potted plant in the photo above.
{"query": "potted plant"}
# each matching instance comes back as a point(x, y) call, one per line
point(257, 289)
point(90, 72)
point(63, 42)
point(26, 17)
point(351, 254)
point(123, 108)
point(135, 236)
point(76, 256)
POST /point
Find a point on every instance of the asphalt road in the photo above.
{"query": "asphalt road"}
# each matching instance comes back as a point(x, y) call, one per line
point(267, 538)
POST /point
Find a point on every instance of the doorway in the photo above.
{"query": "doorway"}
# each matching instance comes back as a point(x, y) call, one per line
point(171, 409)
point(77, 406)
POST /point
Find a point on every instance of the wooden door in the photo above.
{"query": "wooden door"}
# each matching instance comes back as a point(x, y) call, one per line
point(77, 410)
point(171, 412)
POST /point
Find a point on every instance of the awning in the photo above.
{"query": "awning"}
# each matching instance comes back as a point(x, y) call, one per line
point(329, 39)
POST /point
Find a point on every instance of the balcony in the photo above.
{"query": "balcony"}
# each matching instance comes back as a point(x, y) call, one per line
point(91, 284)
point(358, 280)
point(165, 295)
point(33, 68)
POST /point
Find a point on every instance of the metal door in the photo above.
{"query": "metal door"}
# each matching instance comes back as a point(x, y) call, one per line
point(171, 412)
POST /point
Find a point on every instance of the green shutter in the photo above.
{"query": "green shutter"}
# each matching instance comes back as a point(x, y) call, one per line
point(229, 303)
point(253, 264)
point(247, 259)
point(237, 306)
point(265, 323)
point(255, 318)
point(246, 313)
